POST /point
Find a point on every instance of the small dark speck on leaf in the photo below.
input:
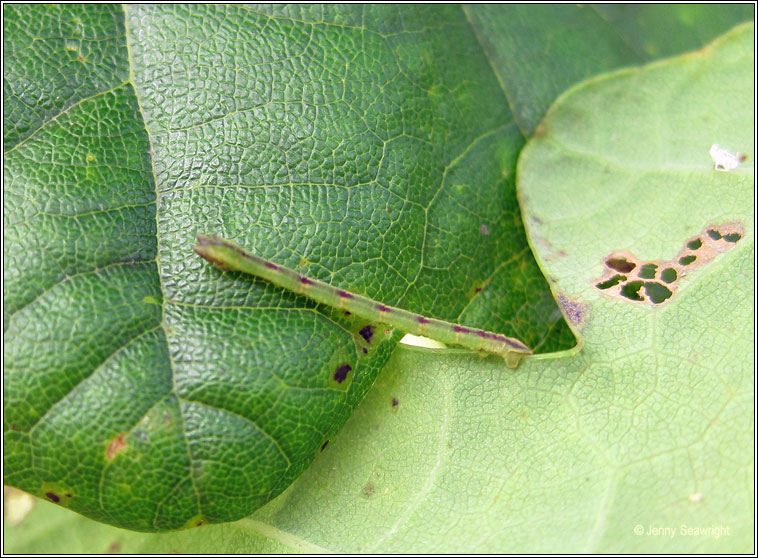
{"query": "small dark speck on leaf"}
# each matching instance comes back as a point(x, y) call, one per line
point(341, 373)
point(53, 496)
point(323, 446)
point(395, 402)
point(69, 495)
point(365, 351)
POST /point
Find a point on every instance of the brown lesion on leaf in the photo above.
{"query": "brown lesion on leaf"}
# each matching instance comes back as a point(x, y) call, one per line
point(368, 490)
point(628, 278)
point(117, 445)
point(196, 521)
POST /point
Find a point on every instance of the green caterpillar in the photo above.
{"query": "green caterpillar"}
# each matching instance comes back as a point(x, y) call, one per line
point(228, 256)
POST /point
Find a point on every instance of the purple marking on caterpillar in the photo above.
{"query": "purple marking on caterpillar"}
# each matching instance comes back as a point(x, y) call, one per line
point(228, 255)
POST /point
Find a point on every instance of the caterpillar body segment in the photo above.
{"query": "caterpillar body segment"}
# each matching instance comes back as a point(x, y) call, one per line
point(228, 256)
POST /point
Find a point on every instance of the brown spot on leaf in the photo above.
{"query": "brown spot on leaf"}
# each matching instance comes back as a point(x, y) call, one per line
point(117, 445)
point(52, 496)
point(368, 490)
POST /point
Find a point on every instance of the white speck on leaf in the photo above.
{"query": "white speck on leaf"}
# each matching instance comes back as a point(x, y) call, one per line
point(724, 159)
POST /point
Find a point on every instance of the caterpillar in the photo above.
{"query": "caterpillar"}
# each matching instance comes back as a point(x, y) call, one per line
point(228, 256)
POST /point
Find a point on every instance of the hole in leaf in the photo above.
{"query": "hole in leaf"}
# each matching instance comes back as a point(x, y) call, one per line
point(732, 237)
point(657, 292)
point(669, 275)
point(714, 234)
point(612, 282)
point(647, 271)
point(620, 264)
point(694, 244)
point(687, 260)
point(631, 290)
